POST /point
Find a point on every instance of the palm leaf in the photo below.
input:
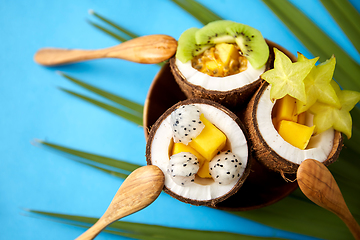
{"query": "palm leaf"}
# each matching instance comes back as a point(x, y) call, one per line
point(108, 32)
point(347, 17)
point(319, 44)
point(197, 10)
point(145, 231)
point(130, 106)
point(128, 116)
point(121, 29)
point(109, 162)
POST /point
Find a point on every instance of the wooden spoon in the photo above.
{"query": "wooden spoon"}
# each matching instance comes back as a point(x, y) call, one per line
point(138, 191)
point(318, 184)
point(146, 49)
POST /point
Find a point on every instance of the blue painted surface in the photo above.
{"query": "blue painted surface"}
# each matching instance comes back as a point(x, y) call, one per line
point(33, 107)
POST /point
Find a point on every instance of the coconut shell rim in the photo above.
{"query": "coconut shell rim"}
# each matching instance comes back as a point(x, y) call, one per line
point(286, 166)
point(236, 187)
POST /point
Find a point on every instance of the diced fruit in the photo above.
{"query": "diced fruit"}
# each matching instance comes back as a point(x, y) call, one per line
point(209, 141)
point(285, 109)
point(211, 65)
point(226, 52)
point(302, 118)
point(204, 170)
point(179, 147)
point(296, 134)
point(275, 123)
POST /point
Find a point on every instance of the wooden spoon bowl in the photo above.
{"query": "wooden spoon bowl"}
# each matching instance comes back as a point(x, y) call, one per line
point(318, 184)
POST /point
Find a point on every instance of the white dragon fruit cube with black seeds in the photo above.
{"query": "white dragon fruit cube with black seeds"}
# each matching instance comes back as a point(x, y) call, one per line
point(186, 124)
point(182, 168)
point(226, 167)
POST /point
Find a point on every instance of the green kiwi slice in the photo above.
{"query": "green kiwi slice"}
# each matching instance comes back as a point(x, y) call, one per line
point(187, 46)
point(251, 43)
point(215, 32)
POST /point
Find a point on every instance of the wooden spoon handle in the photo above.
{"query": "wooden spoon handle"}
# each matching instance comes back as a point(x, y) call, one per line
point(58, 56)
point(318, 184)
point(93, 231)
point(147, 49)
point(138, 191)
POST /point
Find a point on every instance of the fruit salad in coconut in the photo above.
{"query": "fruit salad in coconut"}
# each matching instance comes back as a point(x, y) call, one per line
point(222, 61)
point(299, 113)
point(202, 149)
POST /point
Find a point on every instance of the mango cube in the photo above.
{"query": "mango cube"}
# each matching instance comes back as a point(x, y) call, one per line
point(285, 109)
point(226, 52)
point(204, 170)
point(302, 118)
point(180, 147)
point(296, 134)
point(209, 141)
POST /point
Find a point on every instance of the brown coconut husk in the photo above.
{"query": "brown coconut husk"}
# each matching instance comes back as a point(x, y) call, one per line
point(234, 98)
point(267, 156)
point(236, 187)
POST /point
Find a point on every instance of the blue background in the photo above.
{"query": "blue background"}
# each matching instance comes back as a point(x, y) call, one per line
point(32, 107)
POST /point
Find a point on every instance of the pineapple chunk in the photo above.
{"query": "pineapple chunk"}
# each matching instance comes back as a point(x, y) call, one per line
point(204, 170)
point(285, 109)
point(211, 65)
point(209, 141)
point(180, 147)
point(296, 134)
point(226, 52)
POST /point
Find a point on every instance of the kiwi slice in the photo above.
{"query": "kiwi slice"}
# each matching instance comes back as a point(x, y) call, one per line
point(215, 32)
point(251, 43)
point(187, 46)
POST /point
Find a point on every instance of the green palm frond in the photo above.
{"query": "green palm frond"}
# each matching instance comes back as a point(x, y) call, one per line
point(317, 42)
point(347, 17)
point(122, 167)
point(107, 31)
point(197, 10)
point(122, 30)
point(129, 105)
point(148, 232)
point(116, 31)
point(127, 109)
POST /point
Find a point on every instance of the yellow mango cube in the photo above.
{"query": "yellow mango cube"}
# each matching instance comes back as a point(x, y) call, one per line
point(296, 134)
point(302, 118)
point(180, 147)
point(226, 52)
point(209, 141)
point(285, 109)
point(204, 170)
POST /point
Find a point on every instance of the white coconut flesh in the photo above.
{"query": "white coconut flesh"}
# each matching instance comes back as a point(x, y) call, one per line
point(319, 147)
point(201, 189)
point(227, 83)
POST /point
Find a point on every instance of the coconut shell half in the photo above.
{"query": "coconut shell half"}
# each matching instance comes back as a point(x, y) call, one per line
point(263, 146)
point(230, 99)
point(207, 193)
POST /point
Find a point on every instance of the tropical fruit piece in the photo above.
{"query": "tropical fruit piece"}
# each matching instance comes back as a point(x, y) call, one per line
point(210, 141)
point(296, 134)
